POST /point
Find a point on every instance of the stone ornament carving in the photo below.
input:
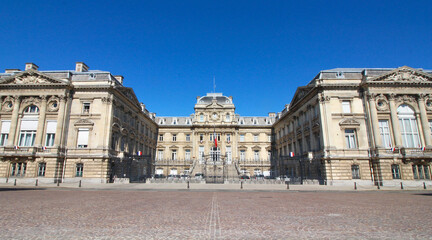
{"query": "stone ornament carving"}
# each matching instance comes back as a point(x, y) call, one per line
point(403, 75)
point(7, 104)
point(84, 122)
point(31, 78)
point(428, 101)
point(405, 99)
point(30, 101)
point(53, 104)
point(382, 103)
point(349, 122)
point(322, 98)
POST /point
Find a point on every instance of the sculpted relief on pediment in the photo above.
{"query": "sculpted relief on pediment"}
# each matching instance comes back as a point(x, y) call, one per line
point(31, 77)
point(404, 75)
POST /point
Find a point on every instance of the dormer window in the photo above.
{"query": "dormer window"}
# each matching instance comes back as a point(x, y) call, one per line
point(174, 121)
point(340, 75)
point(31, 109)
point(188, 121)
point(241, 121)
point(162, 121)
point(255, 122)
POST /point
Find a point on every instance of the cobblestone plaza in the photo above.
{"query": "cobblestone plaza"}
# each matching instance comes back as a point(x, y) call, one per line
point(60, 213)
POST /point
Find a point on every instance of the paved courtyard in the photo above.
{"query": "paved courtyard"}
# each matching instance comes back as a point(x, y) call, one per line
point(172, 214)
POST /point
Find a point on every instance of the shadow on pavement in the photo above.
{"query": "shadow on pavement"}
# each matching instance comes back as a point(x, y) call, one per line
point(3, 189)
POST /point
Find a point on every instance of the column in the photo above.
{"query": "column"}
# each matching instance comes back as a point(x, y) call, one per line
point(14, 121)
point(424, 120)
point(374, 121)
point(41, 122)
point(60, 121)
point(395, 121)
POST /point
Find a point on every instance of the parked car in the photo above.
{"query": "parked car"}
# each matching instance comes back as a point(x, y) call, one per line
point(259, 176)
point(244, 177)
point(199, 176)
point(159, 176)
point(184, 176)
point(173, 176)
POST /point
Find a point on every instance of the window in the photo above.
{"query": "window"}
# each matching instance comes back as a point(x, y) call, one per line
point(242, 137)
point(269, 138)
point(430, 126)
point(395, 171)
point(28, 132)
point(79, 170)
point(174, 121)
point(257, 172)
point(385, 133)
point(86, 108)
point(227, 118)
point(255, 138)
point(242, 155)
point(350, 138)
point(18, 169)
point(256, 155)
point(160, 155)
point(174, 137)
point(161, 137)
point(174, 155)
point(83, 137)
point(201, 153)
point(201, 119)
point(51, 129)
point(5, 127)
point(421, 171)
point(255, 122)
point(355, 170)
point(188, 137)
point(269, 155)
point(346, 106)
point(408, 125)
point(228, 153)
point(41, 169)
point(201, 137)
point(188, 154)
point(31, 109)
point(228, 137)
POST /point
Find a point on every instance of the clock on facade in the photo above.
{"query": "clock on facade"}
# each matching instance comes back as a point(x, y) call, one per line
point(215, 116)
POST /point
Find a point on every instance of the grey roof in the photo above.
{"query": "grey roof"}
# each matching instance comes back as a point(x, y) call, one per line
point(208, 99)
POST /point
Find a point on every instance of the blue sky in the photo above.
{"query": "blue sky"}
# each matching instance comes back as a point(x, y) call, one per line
point(258, 51)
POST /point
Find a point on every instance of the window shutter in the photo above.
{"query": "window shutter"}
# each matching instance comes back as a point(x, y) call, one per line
point(51, 127)
point(30, 125)
point(83, 134)
point(5, 126)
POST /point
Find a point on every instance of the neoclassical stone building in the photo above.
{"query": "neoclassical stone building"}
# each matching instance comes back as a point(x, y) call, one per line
point(187, 145)
point(369, 126)
point(372, 126)
point(73, 125)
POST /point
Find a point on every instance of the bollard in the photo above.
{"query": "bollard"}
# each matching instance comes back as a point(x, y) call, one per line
point(424, 185)
point(378, 185)
point(36, 182)
point(15, 182)
point(241, 185)
point(355, 185)
point(287, 183)
point(58, 183)
point(401, 185)
point(188, 184)
point(79, 184)
point(7, 180)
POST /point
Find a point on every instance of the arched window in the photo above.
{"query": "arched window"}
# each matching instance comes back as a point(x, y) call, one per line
point(227, 118)
point(201, 117)
point(31, 109)
point(408, 125)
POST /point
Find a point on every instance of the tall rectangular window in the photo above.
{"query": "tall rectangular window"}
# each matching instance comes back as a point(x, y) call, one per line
point(355, 170)
point(228, 152)
point(256, 155)
point(83, 138)
point(385, 133)
point(41, 169)
point(255, 138)
point(188, 137)
point(269, 155)
point(28, 132)
point(160, 155)
point(5, 127)
point(161, 137)
point(86, 108)
point(395, 171)
point(50, 133)
point(242, 137)
point(18, 169)
point(79, 170)
point(201, 153)
point(346, 106)
point(228, 137)
point(242, 155)
point(174, 137)
point(188, 154)
point(350, 138)
point(201, 137)
point(174, 155)
point(409, 132)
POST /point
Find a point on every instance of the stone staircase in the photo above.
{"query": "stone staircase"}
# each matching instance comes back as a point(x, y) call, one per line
point(231, 172)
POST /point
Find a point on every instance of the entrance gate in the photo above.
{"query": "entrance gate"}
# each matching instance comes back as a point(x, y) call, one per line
point(214, 167)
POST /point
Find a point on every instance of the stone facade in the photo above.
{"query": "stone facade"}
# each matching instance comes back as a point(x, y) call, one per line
point(372, 126)
point(73, 125)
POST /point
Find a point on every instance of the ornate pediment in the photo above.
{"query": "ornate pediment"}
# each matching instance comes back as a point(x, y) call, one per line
point(84, 122)
point(32, 77)
point(214, 104)
point(129, 93)
point(402, 75)
point(300, 94)
point(349, 122)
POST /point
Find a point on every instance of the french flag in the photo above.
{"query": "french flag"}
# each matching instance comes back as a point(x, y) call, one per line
point(423, 148)
point(16, 147)
point(291, 154)
point(44, 148)
point(139, 153)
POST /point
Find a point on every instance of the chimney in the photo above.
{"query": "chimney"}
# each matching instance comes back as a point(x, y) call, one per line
point(81, 67)
point(12, 70)
point(198, 97)
point(272, 114)
point(143, 107)
point(119, 78)
point(31, 66)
